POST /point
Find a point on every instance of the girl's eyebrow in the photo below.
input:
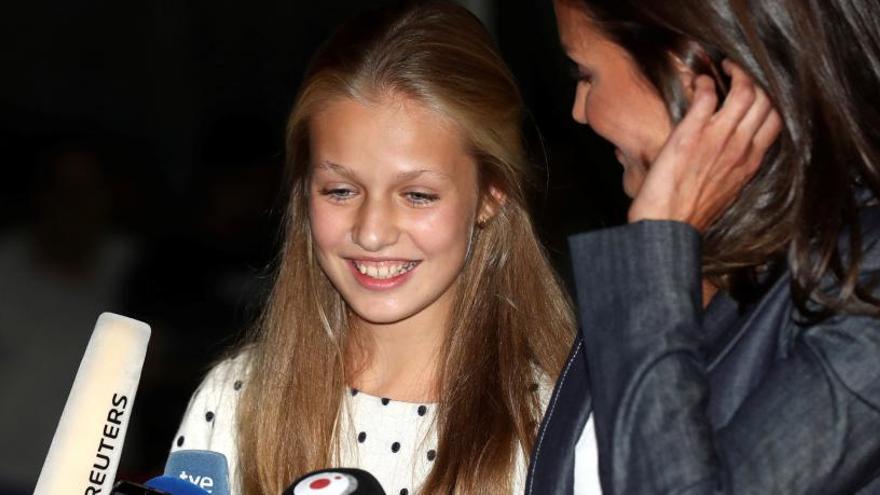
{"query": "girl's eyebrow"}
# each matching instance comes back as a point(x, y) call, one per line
point(400, 176)
point(413, 174)
point(337, 169)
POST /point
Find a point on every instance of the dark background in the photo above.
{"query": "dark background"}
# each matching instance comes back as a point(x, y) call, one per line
point(141, 151)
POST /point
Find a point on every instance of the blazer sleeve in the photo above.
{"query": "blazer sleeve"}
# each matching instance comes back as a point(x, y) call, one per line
point(810, 426)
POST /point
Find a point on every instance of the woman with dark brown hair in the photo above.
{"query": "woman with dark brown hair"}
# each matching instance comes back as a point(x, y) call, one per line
point(415, 327)
point(730, 332)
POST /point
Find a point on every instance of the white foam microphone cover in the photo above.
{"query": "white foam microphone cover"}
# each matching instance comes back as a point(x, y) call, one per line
point(86, 448)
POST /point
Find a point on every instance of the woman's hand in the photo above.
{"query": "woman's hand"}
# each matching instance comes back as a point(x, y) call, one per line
point(709, 156)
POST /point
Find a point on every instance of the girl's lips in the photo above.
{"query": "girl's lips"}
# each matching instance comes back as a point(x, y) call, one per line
point(373, 283)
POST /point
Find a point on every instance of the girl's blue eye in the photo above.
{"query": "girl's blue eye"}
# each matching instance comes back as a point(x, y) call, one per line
point(338, 193)
point(421, 198)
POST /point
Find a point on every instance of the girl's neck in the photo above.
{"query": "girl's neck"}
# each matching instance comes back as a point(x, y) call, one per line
point(401, 358)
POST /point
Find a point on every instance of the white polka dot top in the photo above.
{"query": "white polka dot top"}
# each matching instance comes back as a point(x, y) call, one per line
point(394, 441)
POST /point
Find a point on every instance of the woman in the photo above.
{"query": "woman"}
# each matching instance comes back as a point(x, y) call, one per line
point(414, 319)
point(731, 339)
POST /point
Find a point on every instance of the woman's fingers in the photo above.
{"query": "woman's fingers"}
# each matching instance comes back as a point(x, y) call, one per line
point(688, 132)
point(704, 102)
point(710, 154)
point(756, 116)
point(764, 138)
point(740, 99)
point(769, 131)
point(736, 121)
point(740, 143)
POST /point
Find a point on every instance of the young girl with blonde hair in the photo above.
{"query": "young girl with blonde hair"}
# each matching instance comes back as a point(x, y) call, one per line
point(415, 325)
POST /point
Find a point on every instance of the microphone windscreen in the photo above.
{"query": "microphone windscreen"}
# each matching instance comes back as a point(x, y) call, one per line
point(175, 486)
point(336, 481)
point(204, 468)
point(86, 448)
point(129, 488)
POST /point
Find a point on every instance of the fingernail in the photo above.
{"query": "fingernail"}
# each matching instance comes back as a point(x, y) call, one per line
point(727, 66)
point(705, 82)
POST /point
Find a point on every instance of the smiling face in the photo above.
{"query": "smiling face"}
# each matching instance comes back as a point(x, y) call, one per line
point(612, 96)
point(393, 200)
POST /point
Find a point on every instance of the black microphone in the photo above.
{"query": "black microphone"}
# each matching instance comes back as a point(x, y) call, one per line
point(336, 481)
point(162, 485)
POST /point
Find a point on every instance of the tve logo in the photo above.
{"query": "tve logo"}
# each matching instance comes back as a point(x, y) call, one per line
point(203, 468)
point(202, 481)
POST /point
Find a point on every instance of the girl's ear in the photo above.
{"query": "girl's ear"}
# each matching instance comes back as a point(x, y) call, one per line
point(491, 203)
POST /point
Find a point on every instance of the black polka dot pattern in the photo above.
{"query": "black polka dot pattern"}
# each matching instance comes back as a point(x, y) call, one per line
point(391, 426)
point(180, 441)
point(237, 385)
point(209, 416)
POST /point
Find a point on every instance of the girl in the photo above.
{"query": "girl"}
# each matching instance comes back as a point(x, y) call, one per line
point(415, 323)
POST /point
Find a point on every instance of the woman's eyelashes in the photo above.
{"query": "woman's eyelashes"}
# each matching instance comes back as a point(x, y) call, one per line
point(578, 72)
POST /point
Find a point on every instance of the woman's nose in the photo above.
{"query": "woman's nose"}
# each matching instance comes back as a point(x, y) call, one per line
point(376, 225)
point(578, 107)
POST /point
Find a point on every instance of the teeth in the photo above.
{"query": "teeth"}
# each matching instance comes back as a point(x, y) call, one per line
point(384, 271)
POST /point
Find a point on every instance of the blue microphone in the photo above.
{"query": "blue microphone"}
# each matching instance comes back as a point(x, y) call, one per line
point(204, 469)
point(174, 486)
point(336, 481)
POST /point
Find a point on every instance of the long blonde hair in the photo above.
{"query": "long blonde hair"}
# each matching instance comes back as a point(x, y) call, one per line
point(511, 322)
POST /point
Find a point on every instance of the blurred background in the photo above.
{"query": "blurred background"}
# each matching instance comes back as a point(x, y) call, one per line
point(141, 153)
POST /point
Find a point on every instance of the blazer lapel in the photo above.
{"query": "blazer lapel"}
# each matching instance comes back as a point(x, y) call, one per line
point(552, 465)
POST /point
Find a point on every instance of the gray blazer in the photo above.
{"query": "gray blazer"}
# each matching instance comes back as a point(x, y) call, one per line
point(726, 400)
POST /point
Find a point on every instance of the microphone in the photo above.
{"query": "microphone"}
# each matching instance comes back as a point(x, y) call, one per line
point(175, 486)
point(203, 468)
point(86, 448)
point(187, 472)
point(336, 481)
point(162, 485)
point(129, 488)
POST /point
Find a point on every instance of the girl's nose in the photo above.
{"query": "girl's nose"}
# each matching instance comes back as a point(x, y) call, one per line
point(376, 225)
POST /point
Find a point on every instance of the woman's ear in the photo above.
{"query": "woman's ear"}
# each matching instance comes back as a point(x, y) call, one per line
point(691, 62)
point(491, 203)
point(685, 74)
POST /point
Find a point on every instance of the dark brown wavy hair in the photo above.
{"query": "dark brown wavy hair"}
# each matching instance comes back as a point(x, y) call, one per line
point(819, 62)
point(512, 320)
